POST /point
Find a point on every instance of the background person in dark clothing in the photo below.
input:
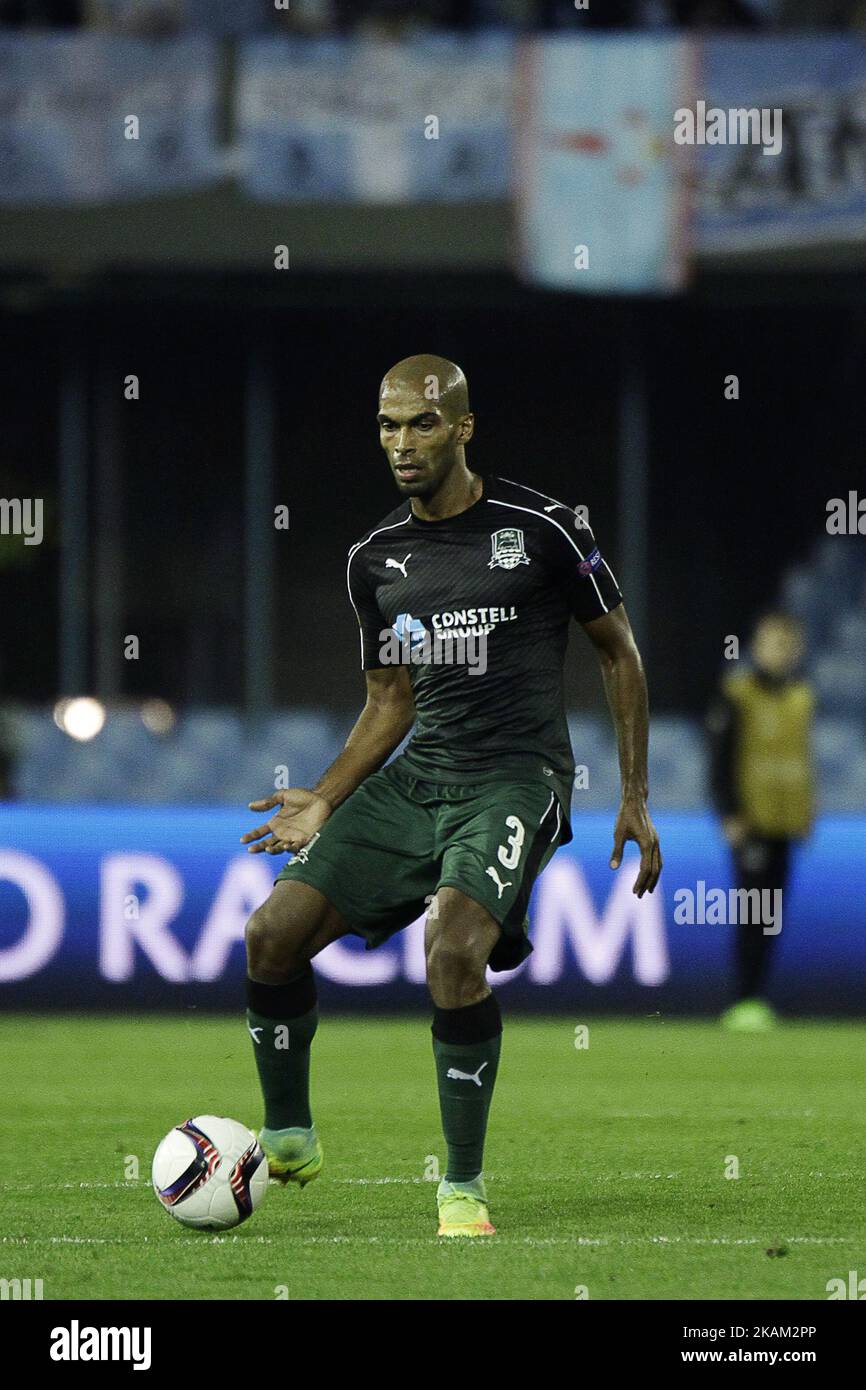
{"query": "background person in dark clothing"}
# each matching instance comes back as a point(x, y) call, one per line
point(762, 784)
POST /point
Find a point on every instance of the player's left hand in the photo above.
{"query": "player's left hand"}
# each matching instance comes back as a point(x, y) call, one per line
point(633, 823)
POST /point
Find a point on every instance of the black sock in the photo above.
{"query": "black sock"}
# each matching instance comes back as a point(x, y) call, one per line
point(466, 1046)
point(282, 1020)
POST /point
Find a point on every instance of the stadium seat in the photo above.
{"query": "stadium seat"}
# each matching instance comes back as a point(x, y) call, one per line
point(594, 748)
point(800, 596)
point(840, 685)
point(677, 760)
point(214, 756)
point(837, 568)
point(849, 637)
point(41, 768)
point(301, 741)
point(211, 732)
point(840, 757)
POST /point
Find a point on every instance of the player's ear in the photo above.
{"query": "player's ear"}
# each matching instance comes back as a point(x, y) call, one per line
point(466, 429)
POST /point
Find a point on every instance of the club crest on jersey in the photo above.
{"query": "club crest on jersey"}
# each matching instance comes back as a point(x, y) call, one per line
point(508, 549)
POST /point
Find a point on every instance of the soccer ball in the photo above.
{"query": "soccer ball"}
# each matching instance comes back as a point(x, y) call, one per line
point(210, 1172)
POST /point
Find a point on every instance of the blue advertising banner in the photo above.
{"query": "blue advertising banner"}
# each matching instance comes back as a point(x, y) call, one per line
point(601, 203)
point(812, 187)
point(114, 907)
point(95, 118)
point(426, 120)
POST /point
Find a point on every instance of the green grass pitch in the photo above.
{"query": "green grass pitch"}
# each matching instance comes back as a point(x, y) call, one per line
point(606, 1165)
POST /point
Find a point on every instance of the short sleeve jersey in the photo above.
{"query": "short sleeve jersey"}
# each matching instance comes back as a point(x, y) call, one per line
point(478, 607)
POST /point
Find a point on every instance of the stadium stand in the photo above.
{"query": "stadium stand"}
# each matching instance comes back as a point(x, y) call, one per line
point(214, 756)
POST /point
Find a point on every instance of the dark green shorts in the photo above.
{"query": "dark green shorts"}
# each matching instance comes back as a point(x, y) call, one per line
point(383, 854)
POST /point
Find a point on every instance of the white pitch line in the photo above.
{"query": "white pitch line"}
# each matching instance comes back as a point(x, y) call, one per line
point(203, 1238)
point(591, 1240)
point(142, 1184)
point(721, 1114)
point(380, 1182)
point(600, 1177)
point(71, 1186)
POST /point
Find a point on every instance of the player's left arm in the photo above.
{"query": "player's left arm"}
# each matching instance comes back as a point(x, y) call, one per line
point(625, 687)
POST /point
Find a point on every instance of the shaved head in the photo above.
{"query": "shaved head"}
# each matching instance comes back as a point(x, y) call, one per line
point(432, 378)
point(424, 425)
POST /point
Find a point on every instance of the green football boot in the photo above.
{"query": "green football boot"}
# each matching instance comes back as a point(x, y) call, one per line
point(294, 1155)
point(463, 1209)
point(750, 1016)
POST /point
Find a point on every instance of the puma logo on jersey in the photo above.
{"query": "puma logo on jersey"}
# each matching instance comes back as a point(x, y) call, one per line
point(399, 564)
point(252, 1032)
point(500, 886)
point(455, 1074)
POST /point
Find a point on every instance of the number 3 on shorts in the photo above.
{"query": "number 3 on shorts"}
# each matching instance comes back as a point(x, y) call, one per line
point(509, 853)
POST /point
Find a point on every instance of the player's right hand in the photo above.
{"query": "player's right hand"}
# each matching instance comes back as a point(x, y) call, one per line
point(301, 814)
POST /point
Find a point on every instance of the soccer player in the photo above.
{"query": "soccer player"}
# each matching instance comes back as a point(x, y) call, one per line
point(762, 783)
point(463, 596)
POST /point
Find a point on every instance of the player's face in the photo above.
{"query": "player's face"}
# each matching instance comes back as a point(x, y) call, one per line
point(421, 443)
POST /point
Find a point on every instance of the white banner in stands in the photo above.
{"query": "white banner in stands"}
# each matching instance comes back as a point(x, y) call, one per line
point(96, 118)
point(346, 120)
point(601, 200)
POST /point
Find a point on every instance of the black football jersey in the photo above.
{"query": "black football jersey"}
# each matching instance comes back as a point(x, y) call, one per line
point(478, 607)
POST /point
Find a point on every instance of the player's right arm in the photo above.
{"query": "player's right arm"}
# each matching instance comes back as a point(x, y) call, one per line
point(383, 723)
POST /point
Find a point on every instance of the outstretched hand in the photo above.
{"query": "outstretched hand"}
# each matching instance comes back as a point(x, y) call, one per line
point(301, 814)
point(633, 823)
